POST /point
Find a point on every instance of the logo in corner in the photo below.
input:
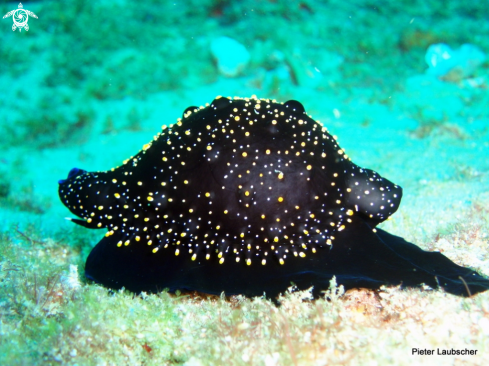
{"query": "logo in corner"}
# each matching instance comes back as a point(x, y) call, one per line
point(20, 17)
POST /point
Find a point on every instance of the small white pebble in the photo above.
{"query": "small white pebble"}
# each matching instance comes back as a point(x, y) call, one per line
point(484, 324)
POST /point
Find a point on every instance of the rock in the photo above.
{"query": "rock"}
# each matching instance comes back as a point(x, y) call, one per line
point(230, 55)
point(453, 65)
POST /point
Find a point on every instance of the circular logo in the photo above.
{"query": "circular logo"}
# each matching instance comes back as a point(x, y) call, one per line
point(20, 18)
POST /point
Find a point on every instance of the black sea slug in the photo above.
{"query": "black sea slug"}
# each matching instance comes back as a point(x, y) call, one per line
point(247, 196)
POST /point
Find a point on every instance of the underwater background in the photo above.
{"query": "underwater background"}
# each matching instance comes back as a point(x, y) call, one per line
point(404, 86)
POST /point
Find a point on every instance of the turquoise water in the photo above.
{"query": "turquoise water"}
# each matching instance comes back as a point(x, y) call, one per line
point(91, 82)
